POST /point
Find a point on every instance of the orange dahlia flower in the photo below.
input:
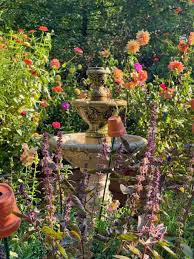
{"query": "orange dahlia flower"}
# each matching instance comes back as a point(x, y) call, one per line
point(143, 37)
point(176, 66)
point(117, 73)
point(131, 85)
point(133, 46)
point(183, 47)
point(142, 76)
point(191, 38)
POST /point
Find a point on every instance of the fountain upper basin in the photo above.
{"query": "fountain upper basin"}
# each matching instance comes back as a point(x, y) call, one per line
point(81, 151)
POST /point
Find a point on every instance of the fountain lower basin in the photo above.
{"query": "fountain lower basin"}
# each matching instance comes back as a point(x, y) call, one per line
point(82, 151)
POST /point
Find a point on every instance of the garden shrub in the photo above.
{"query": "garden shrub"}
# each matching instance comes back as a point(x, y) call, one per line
point(23, 79)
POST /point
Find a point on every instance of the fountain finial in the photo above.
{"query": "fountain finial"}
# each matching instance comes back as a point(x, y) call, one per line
point(98, 77)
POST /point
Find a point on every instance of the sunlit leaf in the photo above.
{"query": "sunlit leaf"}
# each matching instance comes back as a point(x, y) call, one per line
point(182, 189)
point(169, 251)
point(128, 237)
point(156, 254)
point(134, 250)
point(51, 233)
point(13, 254)
point(62, 251)
point(75, 235)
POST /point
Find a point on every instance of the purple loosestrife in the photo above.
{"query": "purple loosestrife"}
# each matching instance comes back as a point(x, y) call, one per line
point(48, 179)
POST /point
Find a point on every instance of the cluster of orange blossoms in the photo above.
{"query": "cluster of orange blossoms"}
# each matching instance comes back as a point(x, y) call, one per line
point(176, 66)
point(118, 76)
point(138, 78)
point(191, 38)
point(142, 39)
point(183, 46)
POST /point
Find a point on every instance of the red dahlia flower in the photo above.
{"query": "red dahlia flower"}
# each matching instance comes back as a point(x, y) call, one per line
point(78, 51)
point(43, 28)
point(56, 125)
point(28, 62)
point(57, 89)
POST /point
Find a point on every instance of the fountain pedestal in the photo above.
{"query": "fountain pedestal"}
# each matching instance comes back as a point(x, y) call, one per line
point(81, 149)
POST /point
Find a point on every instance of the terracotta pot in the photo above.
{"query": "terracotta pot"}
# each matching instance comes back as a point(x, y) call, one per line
point(192, 104)
point(9, 223)
point(115, 127)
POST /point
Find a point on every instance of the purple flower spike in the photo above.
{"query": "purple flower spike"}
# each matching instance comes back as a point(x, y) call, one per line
point(65, 106)
point(138, 67)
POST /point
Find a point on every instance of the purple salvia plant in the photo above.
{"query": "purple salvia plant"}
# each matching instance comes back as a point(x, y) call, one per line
point(67, 211)
point(48, 179)
point(58, 152)
point(150, 173)
point(147, 161)
point(83, 185)
point(103, 156)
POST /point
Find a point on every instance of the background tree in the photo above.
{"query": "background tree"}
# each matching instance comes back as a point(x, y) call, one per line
point(97, 24)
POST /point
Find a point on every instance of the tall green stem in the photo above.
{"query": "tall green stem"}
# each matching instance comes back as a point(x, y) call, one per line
point(6, 245)
point(33, 184)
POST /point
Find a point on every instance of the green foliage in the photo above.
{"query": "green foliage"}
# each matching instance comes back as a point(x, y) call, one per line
point(80, 23)
point(21, 86)
point(29, 106)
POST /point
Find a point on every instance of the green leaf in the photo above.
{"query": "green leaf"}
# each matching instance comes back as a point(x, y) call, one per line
point(51, 233)
point(156, 254)
point(169, 251)
point(187, 250)
point(19, 132)
point(75, 235)
point(134, 250)
point(128, 237)
point(62, 251)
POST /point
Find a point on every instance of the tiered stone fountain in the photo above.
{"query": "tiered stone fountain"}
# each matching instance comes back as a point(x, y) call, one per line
point(81, 149)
